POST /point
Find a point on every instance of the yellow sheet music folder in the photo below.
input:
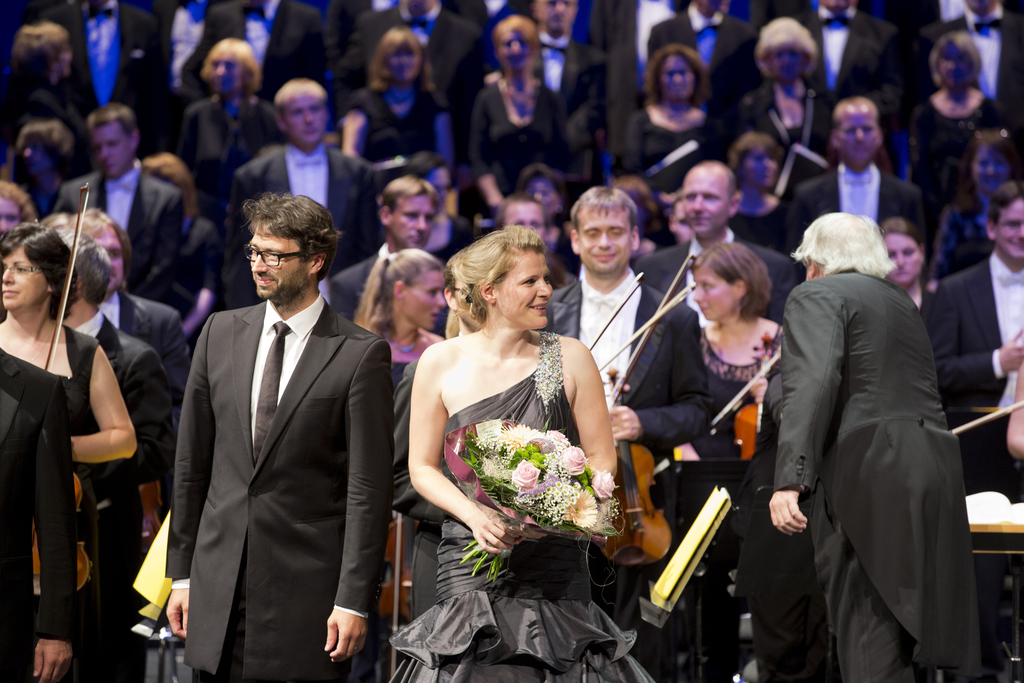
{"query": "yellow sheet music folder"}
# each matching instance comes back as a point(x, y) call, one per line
point(672, 581)
point(152, 581)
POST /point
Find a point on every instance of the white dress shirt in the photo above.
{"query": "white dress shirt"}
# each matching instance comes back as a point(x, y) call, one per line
point(91, 326)
point(594, 313)
point(186, 32)
point(858, 192)
point(833, 39)
point(705, 39)
point(951, 9)
point(257, 29)
point(383, 5)
point(422, 34)
point(695, 250)
point(1008, 288)
point(308, 174)
point(121, 195)
point(649, 13)
point(111, 308)
point(554, 60)
point(990, 48)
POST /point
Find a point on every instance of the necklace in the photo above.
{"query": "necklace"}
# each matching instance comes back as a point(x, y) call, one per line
point(405, 349)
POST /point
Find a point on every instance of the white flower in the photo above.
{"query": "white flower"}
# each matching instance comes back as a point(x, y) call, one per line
point(517, 436)
point(583, 513)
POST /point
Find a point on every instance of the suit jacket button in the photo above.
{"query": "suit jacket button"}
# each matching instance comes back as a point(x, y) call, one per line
point(920, 421)
point(253, 491)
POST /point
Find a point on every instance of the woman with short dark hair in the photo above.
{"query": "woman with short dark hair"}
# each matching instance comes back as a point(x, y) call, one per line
point(45, 148)
point(756, 158)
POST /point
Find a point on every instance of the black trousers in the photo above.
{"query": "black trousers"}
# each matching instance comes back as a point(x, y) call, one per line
point(871, 643)
point(790, 637)
point(123, 653)
point(424, 567)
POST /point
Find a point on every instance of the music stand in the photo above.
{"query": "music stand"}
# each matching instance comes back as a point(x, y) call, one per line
point(1005, 539)
point(772, 563)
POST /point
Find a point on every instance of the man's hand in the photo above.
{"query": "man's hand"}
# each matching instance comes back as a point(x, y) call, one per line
point(345, 635)
point(785, 509)
point(625, 424)
point(177, 612)
point(53, 657)
point(1011, 354)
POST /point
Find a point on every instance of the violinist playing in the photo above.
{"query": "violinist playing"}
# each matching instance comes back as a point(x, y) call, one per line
point(666, 402)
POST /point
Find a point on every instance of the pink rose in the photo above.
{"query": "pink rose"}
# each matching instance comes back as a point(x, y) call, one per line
point(604, 484)
point(557, 437)
point(526, 475)
point(574, 460)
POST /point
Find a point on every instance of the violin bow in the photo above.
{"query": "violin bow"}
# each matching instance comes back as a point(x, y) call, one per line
point(83, 201)
point(661, 312)
point(637, 281)
point(763, 372)
point(988, 418)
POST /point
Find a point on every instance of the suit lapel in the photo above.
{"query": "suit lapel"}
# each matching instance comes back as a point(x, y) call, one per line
point(830, 197)
point(983, 302)
point(1009, 58)
point(125, 55)
point(644, 312)
point(137, 217)
point(338, 184)
point(814, 26)
point(245, 342)
point(566, 311)
point(323, 344)
point(723, 46)
point(570, 72)
point(276, 31)
point(853, 44)
point(97, 191)
point(80, 52)
point(127, 314)
point(11, 389)
point(277, 174)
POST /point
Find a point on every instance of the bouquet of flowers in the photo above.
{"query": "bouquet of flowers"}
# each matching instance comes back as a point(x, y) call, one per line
point(533, 478)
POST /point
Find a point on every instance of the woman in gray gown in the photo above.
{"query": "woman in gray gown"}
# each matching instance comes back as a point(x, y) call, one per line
point(536, 622)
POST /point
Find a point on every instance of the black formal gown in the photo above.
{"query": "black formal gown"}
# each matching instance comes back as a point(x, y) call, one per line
point(960, 242)
point(768, 230)
point(937, 145)
point(648, 145)
point(499, 147)
point(537, 621)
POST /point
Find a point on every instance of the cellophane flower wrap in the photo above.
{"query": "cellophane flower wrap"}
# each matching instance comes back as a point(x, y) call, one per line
point(534, 479)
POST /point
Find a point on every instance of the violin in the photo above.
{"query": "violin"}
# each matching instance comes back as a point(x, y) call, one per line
point(83, 564)
point(747, 424)
point(396, 587)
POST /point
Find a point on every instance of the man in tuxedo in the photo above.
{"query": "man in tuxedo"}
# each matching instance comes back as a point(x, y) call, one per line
point(146, 393)
point(35, 483)
point(285, 36)
point(667, 403)
point(149, 209)
point(453, 47)
point(408, 207)
point(726, 46)
point(975, 327)
point(283, 475)
point(708, 199)
point(857, 187)
point(342, 184)
point(858, 55)
point(116, 53)
point(577, 73)
point(999, 37)
point(157, 325)
point(863, 433)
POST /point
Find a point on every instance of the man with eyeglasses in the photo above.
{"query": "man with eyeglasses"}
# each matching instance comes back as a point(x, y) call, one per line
point(975, 326)
point(283, 475)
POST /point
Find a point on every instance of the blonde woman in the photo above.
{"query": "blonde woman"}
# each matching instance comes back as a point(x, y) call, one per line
point(403, 297)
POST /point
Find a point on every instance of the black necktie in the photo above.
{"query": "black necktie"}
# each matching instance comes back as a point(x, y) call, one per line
point(96, 12)
point(254, 10)
point(838, 21)
point(983, 27)
point(418, 21)
point(553, 47)
point(266, 404)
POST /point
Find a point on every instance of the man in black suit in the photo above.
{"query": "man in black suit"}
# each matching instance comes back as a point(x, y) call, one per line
point(863, 433)
point(149, 210)
point(858, 55)
point(708, 199)
point(35, 483)
point(146, 393)
point(975, 327)
point(577, 73)
point(342, 184)
point(156, 324)
point(116, 54)
point(857, 186)
point(667, 403)
point(286, 38)
point(999, 37)
point(453, 48)
point(726, 46)
point(408, 207)
point(283, 476)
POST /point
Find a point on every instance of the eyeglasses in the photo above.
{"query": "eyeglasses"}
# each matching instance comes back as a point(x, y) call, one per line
point(23, 270)
point(270, 258)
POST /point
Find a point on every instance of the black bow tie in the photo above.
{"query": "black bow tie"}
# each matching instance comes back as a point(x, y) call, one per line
point(838, 21)
point(417, 21)
point(104, 11)
point(982, 27)
point(553, 47)
point(248, 9)
point(709, 27)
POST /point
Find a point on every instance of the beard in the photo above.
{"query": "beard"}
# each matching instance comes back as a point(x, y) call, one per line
point(284, 290)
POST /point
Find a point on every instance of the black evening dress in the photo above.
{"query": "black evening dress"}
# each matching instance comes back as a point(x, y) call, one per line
point(536, 622)
point(388, 135)
point(768, 230)
point(648, 147)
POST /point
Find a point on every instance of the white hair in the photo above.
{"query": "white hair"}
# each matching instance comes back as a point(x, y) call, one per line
point(840, 242)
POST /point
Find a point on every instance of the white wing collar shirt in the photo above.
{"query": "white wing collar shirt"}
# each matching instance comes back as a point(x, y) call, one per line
point(695, 251)
point(186, 33)
point(121, 195)
point(421, 26)
point(706, 31)
point(307, 173)
point(1008, 288)
point(835, 33)
point(988, 38)
point(594, 313)
point(553, 54)
point(259, 22)
point(858, 192)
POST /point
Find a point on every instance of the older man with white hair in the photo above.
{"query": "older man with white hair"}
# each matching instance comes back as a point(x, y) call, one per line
point(864, 435)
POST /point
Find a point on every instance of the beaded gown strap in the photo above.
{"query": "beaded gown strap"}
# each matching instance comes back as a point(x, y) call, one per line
point(548, 377)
